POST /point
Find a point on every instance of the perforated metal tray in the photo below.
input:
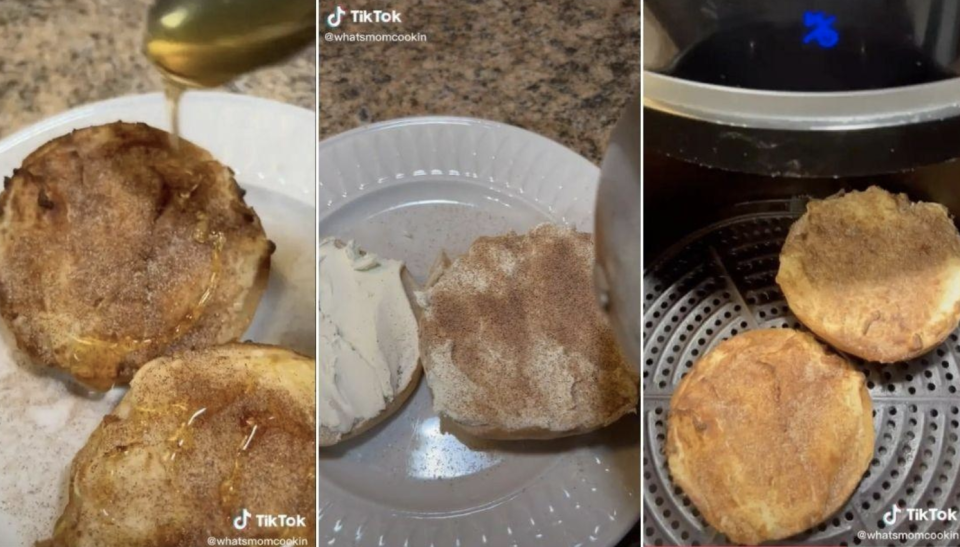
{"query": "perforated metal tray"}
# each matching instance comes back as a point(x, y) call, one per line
point(721, 281)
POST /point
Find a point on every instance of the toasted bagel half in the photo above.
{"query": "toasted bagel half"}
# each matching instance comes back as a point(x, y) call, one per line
point(117, 247)
point(769, 434)
point(201, 438)
point(874, 274)
point(514, 344)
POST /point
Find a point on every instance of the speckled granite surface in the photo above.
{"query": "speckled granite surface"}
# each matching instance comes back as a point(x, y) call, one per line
point(563, 68)
point(58, 54)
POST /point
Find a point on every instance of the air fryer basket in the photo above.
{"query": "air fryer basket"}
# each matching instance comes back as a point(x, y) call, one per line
point(712, 243)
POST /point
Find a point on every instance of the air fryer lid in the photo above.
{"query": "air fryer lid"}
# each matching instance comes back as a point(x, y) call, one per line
point(803, 88)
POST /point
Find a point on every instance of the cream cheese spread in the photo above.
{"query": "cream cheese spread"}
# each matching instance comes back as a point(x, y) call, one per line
point(368, 335)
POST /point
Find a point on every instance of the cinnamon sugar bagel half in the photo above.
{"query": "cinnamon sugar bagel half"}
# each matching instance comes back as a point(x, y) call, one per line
point(514, 344)
point(769, 434)
point(874, 274)
point(117, 247)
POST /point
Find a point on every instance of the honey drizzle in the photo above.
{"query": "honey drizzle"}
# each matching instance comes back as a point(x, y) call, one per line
point(173, 92)
point(182, 439)
point(88, 354)
point(228, 487)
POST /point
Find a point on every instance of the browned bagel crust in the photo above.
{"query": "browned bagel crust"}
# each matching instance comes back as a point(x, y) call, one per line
point(200, 436)
point(116, 248)
point(514, 344)
point(874, 274)
point(769, 434)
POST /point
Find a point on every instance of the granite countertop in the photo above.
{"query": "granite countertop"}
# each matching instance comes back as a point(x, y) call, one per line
point(563, 69)
point(58, 55)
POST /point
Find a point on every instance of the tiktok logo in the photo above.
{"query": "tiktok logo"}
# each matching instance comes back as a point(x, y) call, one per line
point(890, 517)
point(334, 19)
point(241, 522)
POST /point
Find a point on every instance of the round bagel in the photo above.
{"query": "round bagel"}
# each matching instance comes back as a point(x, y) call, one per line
point(117, 247)
point(769, 434)
point(200, 439)
point(514, 344)
point(873, 274)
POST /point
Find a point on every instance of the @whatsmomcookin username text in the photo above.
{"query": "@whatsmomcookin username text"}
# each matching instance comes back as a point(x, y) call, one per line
point(376, 37)
point(257, 542)
point(937, 537)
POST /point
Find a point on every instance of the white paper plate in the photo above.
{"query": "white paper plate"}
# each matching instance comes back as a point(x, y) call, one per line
point(408, 189)
point(271, 148)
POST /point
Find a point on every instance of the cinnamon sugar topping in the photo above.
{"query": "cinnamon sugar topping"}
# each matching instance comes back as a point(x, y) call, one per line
point(516, 341)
